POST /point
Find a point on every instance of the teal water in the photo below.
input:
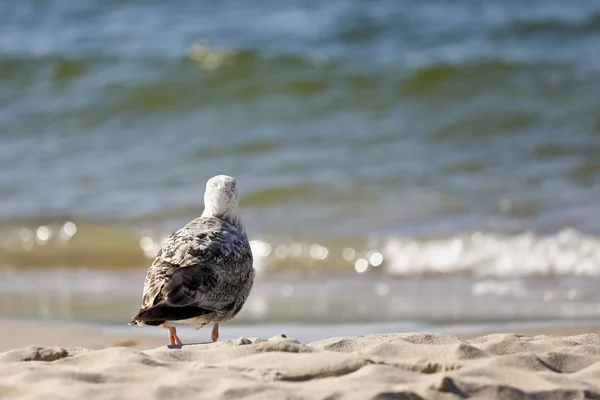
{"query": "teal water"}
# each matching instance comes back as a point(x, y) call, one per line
point(384, 138)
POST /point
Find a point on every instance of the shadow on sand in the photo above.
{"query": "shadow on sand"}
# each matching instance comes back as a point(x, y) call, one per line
point(179, 346)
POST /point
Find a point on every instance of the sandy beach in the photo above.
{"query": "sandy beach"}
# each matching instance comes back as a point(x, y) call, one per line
point(59, 361)
point(418, 182)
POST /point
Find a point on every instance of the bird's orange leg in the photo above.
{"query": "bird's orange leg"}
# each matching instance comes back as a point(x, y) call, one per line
point(173, 338)
point(214, 335)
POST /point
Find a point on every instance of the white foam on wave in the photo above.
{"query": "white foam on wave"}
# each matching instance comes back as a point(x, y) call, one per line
point(566, 253)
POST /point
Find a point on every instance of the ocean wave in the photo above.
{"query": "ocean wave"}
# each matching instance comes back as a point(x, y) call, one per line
point(550, 26)
point(98, 246)
point(474, 77)
point(211, 77)
point(429, 76)
point(16, 68)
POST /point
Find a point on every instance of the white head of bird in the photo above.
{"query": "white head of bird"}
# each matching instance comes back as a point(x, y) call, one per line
point(221, 199)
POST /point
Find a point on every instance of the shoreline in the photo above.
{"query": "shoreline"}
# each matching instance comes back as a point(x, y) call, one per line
point(17, 333)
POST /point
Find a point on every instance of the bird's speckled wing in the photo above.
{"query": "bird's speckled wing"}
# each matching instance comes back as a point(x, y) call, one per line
point(193, 264)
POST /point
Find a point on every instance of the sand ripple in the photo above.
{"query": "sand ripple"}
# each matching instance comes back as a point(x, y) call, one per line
point(391, 366)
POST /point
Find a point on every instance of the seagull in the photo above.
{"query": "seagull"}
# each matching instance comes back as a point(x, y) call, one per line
point(204, 271)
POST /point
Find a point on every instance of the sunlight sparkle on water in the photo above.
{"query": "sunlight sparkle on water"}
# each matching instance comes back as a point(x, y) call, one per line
point(361, 265)
point(348, 254)
point(376, 259)
point(43, 234)
point(69, 228)
point(318, 252)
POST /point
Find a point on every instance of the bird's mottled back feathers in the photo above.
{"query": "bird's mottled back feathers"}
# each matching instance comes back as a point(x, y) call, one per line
point(200, 265)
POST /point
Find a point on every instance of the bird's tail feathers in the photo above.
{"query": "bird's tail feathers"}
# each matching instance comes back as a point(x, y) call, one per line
point(163, 312)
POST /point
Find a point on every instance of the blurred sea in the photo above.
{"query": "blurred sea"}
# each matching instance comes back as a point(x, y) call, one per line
point(416, 162)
